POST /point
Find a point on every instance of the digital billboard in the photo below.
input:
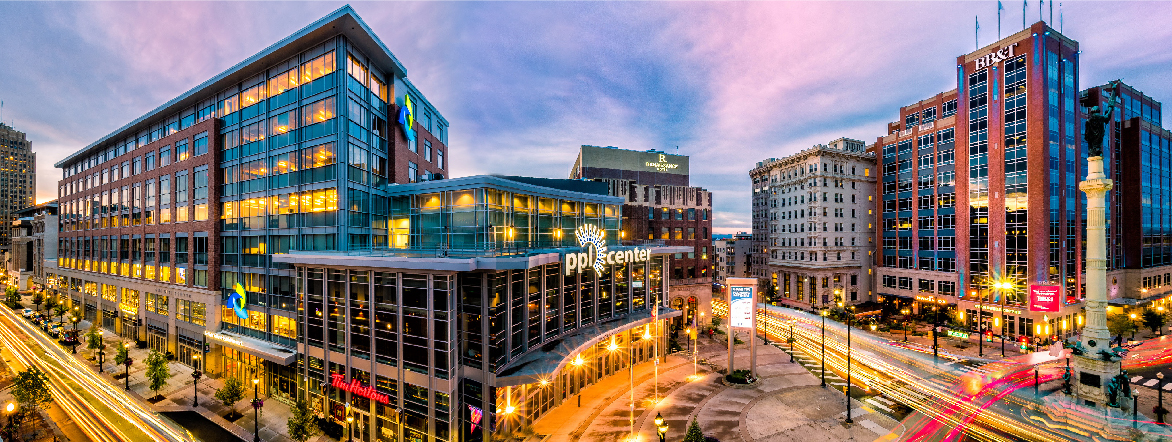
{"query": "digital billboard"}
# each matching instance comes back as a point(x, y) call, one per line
point(1044, 298)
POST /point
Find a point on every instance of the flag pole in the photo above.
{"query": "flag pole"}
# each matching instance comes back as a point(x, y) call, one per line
point(1024, 3)
point(976, 31)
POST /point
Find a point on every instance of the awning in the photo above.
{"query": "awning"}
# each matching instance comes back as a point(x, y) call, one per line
point(260, 348)
point(542, 362)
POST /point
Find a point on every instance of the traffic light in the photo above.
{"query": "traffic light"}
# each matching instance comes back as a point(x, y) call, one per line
point(988, 335)
point(1025, 343)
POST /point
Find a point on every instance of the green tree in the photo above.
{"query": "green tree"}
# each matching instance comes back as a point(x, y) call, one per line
point(59, 310)
point(157, 371)
point(231, 393)
point(123, 354)
point(93, 338)
point(694, 434)
point(302, 424)
point(1121, 324)
point(31, 388)
point(38, 299)
point(1154, 320)
point(12, 297)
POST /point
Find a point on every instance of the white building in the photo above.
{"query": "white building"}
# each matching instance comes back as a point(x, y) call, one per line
point(813, 225)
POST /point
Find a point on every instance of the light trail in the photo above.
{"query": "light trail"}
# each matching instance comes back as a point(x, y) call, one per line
point(977, 404)
point(73, 380)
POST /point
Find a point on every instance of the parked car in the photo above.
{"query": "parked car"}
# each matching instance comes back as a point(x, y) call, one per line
point(28, 313)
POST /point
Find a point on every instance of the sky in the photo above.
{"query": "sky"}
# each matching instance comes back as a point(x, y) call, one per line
point(523, 84)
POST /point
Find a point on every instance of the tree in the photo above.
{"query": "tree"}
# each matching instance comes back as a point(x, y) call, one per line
point(31, 388)
point(1121, 324)
point(12, 297)
point(38, 299)
point(231, 393)
point(302, 424)
point(157, 371)
point(694, 434)
point(122, 355)
point(93, 339)
point(59, 310)
point(1154, 320)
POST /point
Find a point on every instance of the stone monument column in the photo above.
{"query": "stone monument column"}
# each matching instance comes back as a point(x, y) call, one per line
point(1096, 187)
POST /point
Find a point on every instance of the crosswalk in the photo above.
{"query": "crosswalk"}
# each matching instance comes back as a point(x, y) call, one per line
point(814, 365)
point(1150, 383)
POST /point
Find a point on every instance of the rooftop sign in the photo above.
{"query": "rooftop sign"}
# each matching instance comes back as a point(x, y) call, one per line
point(597, 256)
point(631, 160)
point(995, 57)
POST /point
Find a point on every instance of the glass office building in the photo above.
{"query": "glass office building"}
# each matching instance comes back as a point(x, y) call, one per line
point(484, 314)
point(294, 148)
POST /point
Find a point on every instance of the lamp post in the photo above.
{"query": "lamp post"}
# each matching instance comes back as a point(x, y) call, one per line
point(1133, 327)
point(905, 321)
point(195, 385)
point(936, 334)
point(849, 317)
point(73, 348)
point(101, 349)
point(127, 363)
point(578, 363)
point(1160, 412)
point(823, 348)
point(660, 427)
point(8, 409)
point(350, 424)
point(791, 341)
point(980, 325)
point(256, 404)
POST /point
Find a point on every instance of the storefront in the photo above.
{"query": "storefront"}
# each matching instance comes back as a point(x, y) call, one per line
point(190, 346)
point(247, 359)
point(157, 336)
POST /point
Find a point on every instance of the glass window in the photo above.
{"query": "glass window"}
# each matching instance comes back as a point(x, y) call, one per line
point(317, 68)
point(229, 105)
point(181, 150)
point(318, 156)
point(282, 82)
point(200, 145)
point(252, 95)
point(165, 156)
point(317, 112)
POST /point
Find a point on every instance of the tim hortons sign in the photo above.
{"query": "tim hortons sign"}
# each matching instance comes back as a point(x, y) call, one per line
point(995, 57)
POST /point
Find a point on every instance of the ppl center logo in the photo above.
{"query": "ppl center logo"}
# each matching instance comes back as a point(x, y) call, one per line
point(590, 237)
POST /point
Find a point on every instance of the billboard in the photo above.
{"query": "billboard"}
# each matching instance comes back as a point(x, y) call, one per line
point(1045, 298)
point(740, 306)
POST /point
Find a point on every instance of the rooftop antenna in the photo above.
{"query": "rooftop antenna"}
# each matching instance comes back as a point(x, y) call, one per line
point(1060, 18)
point(677, 149)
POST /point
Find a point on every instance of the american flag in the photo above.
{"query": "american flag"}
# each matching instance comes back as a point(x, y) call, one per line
point(477, 414)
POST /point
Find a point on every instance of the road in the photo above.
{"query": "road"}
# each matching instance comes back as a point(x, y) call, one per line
point(103, 412)
point(957, 398)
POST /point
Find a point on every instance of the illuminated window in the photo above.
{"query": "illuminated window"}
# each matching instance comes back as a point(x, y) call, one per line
point(316, 112)
point(201, 212)
point(282, 82)
point(252, 95)
point(318, 156)
point(317, 68)
point(229, 105)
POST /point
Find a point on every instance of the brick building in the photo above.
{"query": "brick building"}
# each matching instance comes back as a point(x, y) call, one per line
point(661, 206)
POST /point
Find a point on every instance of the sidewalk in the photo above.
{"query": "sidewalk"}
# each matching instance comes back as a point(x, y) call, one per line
point(786, 404)
point(179, 390)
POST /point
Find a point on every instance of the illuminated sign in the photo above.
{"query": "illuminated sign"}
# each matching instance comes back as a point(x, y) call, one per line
point(995, 57)
point(1044, 298)
point(740, 305)
point(355, 387)
point(236, 301)
point(407, 117)
point(596, 255)
point(223, 338)
point(958, 334)
point(662, 165)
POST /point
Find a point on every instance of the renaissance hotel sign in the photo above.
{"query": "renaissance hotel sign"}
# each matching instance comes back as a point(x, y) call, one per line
point(630, 160)
point(596, 255)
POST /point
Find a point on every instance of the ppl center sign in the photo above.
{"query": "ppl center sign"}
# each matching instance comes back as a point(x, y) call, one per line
point(596, 256)
point(1045, 298)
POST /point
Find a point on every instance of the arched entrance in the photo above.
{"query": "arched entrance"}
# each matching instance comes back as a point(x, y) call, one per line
point(682, 320)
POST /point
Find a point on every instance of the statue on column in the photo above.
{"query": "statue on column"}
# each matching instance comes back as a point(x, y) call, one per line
point(1097, 120)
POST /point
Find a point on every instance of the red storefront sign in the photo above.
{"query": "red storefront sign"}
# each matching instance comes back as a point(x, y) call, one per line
point(355, 387)
point(1045, 298)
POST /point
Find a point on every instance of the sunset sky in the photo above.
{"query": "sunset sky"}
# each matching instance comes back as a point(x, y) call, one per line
point(524, 84)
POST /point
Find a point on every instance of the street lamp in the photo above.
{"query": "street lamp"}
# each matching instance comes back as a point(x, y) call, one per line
point(905, 321)
point(76, 338)
point(127, 363)
point(101, 349)
point(350, 423)
point(1133, 326)
point(1160, 412)
point(849, 317)
point(660, 427)
point(823, 348)
point(578, 363)
point(195, 385)
point(980, 325)
point(8, 409)
point(256, 404)
point(936, 334)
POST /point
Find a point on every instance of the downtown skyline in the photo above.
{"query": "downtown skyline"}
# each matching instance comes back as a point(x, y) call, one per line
point(730, 84)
